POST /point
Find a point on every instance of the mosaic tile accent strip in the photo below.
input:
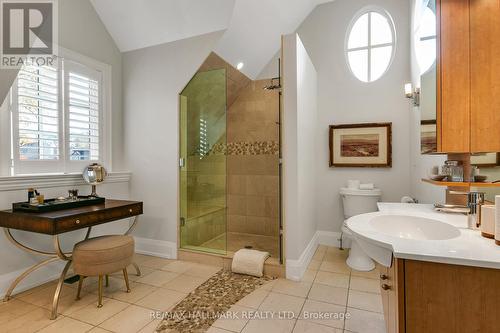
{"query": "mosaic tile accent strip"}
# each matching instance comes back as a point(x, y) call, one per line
point(246, 148)
point(201, 308)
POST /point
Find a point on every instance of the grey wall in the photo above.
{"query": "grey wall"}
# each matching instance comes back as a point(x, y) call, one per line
point(299, 135)
point(344, 99)
point(153, 78)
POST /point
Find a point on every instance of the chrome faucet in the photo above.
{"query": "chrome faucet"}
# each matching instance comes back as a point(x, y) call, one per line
point(474, 202)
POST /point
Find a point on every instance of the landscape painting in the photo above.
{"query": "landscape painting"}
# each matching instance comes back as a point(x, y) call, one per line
point(361, 145)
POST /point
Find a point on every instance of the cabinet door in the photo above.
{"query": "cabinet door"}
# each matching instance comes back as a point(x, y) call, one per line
point(392, 296)
point(485, 75)
point(454, 79)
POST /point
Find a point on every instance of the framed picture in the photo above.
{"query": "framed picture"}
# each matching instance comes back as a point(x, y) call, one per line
point(428, 137)
point(487, 160)
point(361, 145)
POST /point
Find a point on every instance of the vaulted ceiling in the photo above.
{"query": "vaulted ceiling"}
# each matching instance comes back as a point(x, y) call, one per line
point(253, 27)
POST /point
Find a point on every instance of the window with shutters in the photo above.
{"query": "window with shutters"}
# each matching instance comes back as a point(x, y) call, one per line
point(57, 117)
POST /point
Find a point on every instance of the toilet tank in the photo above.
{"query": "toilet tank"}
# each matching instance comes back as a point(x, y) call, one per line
point(357, 202)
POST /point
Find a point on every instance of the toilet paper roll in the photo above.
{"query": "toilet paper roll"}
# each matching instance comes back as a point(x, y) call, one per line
point(497, 220)
point(366, 186)
point(353, 184)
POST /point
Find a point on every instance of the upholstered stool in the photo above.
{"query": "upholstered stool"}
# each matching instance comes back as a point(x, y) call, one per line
point(102, 256)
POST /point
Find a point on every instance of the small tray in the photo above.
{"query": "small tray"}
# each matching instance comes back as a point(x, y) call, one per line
point(51, 205)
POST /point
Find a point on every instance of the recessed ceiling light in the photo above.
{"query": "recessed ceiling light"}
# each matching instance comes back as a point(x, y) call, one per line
point(240, 66)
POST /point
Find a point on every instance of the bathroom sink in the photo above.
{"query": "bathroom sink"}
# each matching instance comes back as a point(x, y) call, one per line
point(413, 227)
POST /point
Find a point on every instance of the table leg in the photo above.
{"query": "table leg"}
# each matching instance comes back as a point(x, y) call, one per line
point(129, 231)
point(57, 294)
point(132, 227)
point(25, 274)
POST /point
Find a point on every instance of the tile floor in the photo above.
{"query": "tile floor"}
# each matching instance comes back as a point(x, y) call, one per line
point(329, 287)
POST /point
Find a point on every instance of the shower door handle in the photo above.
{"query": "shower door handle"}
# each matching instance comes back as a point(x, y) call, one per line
point(182, 162)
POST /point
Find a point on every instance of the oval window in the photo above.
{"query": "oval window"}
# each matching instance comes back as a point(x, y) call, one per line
point(426, 40)
point(370, 44)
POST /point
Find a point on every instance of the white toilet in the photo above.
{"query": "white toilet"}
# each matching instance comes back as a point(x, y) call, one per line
point(356, 202)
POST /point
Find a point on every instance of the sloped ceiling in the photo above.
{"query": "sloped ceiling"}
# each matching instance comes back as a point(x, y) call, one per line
point(253, 27)
point(254, 34)
point(135, 24)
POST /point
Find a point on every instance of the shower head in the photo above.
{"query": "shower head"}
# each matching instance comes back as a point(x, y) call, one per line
point(273, 85)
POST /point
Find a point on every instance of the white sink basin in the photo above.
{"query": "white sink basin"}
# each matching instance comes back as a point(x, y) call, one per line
point(413, 227)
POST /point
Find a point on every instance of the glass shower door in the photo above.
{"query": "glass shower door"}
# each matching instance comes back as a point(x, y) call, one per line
point(203, 163)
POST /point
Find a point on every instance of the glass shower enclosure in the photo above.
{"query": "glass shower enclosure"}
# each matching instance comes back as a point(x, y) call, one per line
point(203, 138)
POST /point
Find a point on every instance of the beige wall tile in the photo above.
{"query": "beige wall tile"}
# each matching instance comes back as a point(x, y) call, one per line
point(237, 184)
point(237, 204)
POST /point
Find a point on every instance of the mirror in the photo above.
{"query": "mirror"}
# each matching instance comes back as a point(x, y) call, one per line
point(425, 50)
point(489, 167)
point(94, 174)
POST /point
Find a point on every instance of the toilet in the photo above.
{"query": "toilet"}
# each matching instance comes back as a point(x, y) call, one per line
point(356, 202)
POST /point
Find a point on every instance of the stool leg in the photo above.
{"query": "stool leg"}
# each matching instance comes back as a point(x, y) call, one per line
point(125, 276)
point(99, 305)
point(107, 280)
point(80, 284)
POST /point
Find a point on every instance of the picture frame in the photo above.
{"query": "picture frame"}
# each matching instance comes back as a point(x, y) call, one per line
point(367, 145)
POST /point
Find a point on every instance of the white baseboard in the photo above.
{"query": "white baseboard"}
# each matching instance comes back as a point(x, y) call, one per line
point(157, 248)
point(331, 238)
point(43, 275)
point(295, 269)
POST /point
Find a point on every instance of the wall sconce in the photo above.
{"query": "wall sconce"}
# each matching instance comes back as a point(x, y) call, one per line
point(412, 94)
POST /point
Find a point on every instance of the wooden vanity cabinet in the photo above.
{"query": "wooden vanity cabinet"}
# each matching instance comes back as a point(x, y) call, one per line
point(468, 79)
point(485, 75)
point(433, 297)
point(390, 293)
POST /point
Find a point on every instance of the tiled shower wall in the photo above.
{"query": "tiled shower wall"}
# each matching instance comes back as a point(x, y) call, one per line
point(253, 161)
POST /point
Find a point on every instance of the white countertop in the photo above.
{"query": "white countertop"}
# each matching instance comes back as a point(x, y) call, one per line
point(469, 249)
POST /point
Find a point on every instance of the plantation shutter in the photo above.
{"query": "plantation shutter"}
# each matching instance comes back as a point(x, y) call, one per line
point(84, 111)
point(37, 120)
point(38, 113)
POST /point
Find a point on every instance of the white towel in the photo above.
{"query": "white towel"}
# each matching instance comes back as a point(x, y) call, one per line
point(249, 262)
point(369, 186)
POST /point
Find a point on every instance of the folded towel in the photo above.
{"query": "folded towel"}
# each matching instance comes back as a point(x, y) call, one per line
point(249, 262)
point(369, 186)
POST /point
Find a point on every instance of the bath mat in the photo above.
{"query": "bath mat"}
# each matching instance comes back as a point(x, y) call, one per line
point(201, 308)
point(249, 262)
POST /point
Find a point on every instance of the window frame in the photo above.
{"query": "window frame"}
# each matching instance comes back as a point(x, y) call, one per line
point(418, 39)
point(365, 10)
point(10, 164)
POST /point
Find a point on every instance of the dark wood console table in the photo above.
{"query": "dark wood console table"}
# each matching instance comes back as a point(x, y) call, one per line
point(59, 222)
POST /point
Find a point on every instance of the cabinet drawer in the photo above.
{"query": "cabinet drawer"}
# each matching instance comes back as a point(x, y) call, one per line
point(90, 219)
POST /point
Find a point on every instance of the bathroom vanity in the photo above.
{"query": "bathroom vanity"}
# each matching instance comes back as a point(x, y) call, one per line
point(420, 296)
point(435, 274)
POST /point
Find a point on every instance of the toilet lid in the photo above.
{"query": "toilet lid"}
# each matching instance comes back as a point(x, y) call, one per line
point(352, 191)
